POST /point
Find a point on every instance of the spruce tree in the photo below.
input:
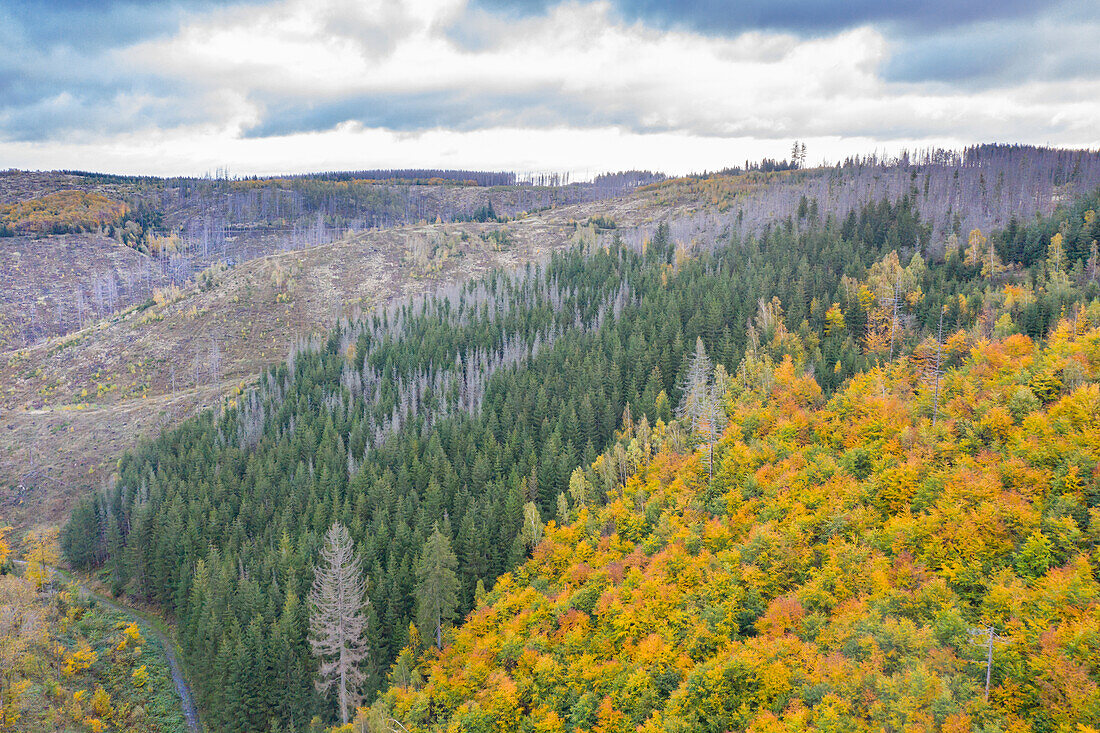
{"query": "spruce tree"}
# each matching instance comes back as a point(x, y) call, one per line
point(437, 584)
point(337, 622)
point(695, 387)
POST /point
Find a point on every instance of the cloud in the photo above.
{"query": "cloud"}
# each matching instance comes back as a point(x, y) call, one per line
point(805, 17)
point(86, 26)
point(1058, 47)
point(969, 42)
point(300, 72)
point(579, 65)
point(413, 112)
point(61, 74)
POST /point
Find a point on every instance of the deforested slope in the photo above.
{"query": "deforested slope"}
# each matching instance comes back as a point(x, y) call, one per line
point(204, 283)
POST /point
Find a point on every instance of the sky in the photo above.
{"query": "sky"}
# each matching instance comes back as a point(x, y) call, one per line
point(185, 87)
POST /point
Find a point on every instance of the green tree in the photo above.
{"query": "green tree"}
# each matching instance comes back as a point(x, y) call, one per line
point(1035, 557)
point(437, 584)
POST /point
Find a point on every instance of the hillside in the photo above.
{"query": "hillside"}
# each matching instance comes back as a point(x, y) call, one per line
point(120, 332)
point(838, 571)
point(549, 366)
point(467, 418)
point(147, 340)
point(186, 347)
point(186, 225)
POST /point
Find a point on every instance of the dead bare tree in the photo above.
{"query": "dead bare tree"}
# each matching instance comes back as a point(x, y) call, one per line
point(215, 360)
point(693, 404)
point(714, 416)
point(337, 622)
point(703, 401)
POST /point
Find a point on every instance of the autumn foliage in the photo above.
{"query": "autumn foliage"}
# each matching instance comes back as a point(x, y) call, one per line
point(61, 212)
point(827, 578)
point(67, 663)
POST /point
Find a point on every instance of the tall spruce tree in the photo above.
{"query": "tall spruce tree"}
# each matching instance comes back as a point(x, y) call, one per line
point(437, 584)
point(337, 622)
point(695, 387)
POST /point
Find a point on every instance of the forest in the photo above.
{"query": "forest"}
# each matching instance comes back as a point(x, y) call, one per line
point(60, 213)
point(850, 563)
point(460, 424)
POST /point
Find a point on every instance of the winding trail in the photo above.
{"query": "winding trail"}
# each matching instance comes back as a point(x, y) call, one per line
point(187, 700)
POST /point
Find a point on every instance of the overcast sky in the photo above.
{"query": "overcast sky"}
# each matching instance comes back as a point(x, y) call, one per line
point(188, 86)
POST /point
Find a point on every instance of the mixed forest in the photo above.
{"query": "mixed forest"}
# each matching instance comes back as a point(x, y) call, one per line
point(768, 480)
point(866, 560)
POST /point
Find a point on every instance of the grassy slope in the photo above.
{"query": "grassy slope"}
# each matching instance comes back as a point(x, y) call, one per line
point(43, 272)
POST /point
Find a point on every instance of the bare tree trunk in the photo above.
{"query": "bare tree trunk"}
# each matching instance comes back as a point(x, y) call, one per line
point(894, 317)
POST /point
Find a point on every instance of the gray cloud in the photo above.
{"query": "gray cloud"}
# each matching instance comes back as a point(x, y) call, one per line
point(376, 35)
point(58, 94)
point(94, 25)
point(985, 55)
point(61, 78)
point(806, 17)
point(91, 113)
point(545, 106)
point(975, 43)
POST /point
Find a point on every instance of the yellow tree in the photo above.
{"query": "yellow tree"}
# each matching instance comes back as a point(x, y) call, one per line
point(41, 556)
point(21, 629)
point(876, 341)
point(834, 320)
point(5, 548)
point(975, 247)
point(1056, 258)
point(81, 659)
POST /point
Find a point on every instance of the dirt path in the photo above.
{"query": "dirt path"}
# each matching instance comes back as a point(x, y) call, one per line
point(190, 712)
